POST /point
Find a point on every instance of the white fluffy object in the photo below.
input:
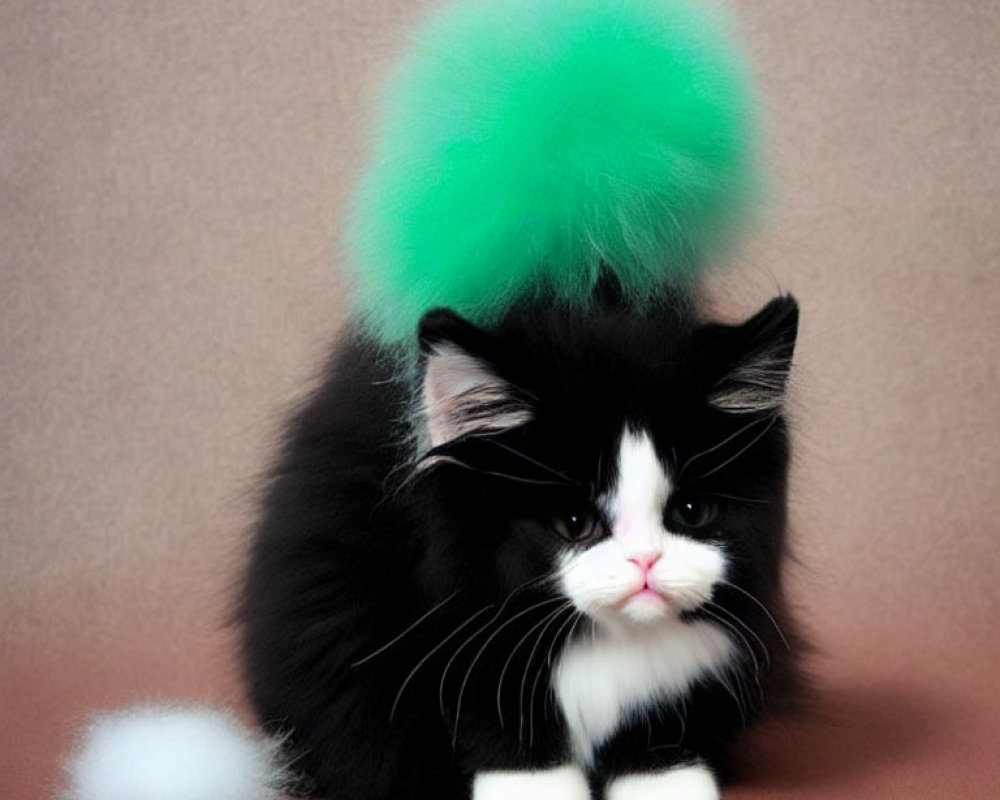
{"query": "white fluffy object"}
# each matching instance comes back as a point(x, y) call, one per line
point(174, 753)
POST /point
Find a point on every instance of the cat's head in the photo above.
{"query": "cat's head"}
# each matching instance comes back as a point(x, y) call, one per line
point(633, 463)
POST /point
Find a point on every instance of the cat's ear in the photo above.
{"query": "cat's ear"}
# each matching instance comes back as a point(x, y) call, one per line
point(462, 389)
point(757, 358)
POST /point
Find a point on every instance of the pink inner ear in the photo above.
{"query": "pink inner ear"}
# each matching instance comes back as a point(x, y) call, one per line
point(456, 387)
point(450, 372)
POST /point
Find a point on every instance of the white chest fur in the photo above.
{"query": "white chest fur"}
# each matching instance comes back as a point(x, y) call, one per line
point(601, 683)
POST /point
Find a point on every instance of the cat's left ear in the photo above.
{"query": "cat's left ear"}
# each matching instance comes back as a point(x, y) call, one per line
point(756, 358)
point(463, 390)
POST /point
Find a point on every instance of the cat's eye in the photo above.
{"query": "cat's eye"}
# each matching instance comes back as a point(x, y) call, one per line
point(579, 526)
point(692, 513)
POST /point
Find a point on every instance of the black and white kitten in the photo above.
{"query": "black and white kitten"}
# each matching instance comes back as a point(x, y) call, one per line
point(546, 569)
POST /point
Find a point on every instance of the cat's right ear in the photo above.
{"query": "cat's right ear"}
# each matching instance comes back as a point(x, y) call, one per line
point(463, 391)
point(752, 361)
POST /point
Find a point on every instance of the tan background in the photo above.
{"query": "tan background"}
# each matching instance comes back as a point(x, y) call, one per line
point(172, 179)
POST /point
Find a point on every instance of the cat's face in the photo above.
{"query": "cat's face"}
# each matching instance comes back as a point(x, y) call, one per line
point(642, 565)
point(633, 463)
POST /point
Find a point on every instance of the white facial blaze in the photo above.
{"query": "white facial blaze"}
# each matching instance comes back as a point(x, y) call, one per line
point(635, 504)
point(607, 580)
point(635, 585)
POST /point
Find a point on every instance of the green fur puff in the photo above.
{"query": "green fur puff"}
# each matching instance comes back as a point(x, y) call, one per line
point(524, 143)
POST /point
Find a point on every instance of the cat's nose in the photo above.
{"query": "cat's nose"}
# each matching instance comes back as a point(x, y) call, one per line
point(645, 560)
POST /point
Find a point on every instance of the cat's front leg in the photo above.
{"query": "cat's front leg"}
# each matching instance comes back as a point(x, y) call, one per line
point(559, 783)
point(691, 781)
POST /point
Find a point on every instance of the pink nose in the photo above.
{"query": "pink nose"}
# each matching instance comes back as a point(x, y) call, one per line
point(645, 560)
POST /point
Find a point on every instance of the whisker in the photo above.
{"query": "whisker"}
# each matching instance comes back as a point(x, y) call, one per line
point(475, 660)
point(529, 459)
point(409, 628)
point(743, 624)
point(763, 608)
point(449, 637)
point(390, 492)
point(530, 582)
point(737, 696)
point(549, 694)
point(680, 711)
point(527, 666)
point(738, 499)
point(531, 657)
point(721, 444)
point(736, 632)
point(541, 668)
point(746, 646)
point(577, 617)
point(431, 460)
point(523, 639)
point(458, 650)
point(742, 450)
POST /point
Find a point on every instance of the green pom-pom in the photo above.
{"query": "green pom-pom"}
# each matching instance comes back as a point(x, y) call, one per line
point(526, 143)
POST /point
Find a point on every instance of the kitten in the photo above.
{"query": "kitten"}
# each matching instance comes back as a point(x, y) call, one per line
point(549, 566)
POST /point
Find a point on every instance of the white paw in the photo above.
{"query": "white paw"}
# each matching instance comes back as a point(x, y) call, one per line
point(561, 783)
point(691, 782)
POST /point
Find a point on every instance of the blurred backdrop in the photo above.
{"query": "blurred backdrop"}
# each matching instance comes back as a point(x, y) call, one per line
point(172, 180)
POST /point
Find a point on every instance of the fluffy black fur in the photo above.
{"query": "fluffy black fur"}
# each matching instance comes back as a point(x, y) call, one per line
point(395, 608)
